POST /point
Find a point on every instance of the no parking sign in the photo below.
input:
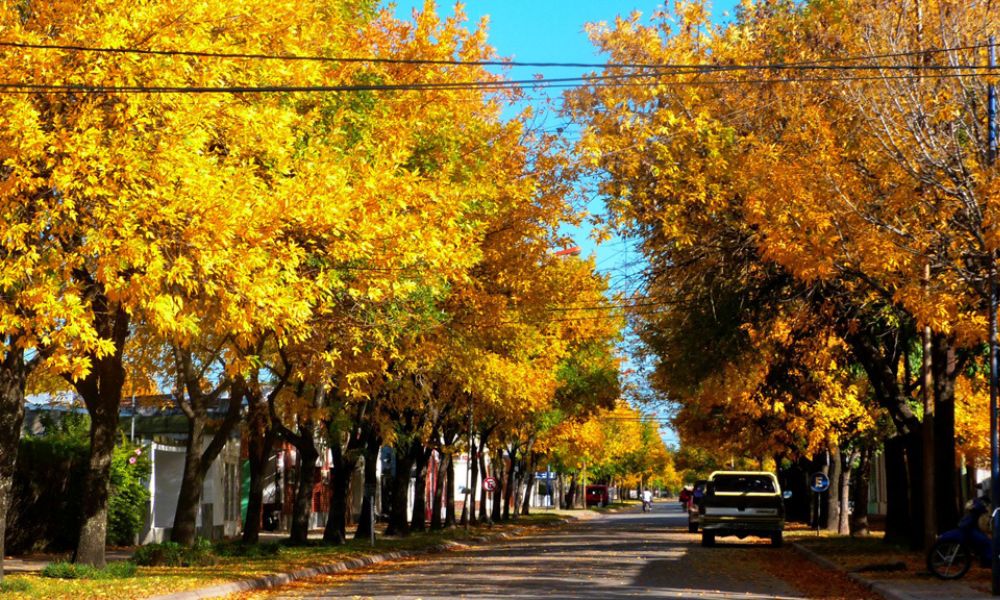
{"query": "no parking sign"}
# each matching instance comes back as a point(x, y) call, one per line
point(489, 484)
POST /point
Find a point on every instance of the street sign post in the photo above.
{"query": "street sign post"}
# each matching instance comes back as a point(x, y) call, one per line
point(818, 483)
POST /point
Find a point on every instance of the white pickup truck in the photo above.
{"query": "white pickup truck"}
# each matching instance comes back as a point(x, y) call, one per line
point(741, 504)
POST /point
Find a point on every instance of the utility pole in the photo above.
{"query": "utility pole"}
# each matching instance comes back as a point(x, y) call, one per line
point(991, 155)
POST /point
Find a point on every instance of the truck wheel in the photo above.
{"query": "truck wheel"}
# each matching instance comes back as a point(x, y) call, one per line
point(707, 539)
point(776, 539)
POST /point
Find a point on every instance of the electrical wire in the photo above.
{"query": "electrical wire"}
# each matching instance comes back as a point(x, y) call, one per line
point(818, 63)
point(31, 88)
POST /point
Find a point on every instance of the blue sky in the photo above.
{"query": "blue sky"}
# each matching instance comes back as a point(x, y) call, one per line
point(553, 31)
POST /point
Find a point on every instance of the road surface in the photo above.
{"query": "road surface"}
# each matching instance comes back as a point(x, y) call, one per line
point(626, 555)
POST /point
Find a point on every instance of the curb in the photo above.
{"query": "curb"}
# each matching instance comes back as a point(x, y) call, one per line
point(876, 586)
point(277, 579)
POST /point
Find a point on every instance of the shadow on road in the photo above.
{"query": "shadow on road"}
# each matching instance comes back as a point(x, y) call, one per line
point(627, 555)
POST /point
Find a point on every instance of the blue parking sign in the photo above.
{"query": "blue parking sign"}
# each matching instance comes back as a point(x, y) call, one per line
point(819, 482)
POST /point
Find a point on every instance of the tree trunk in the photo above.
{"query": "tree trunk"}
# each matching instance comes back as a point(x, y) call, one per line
point(302, 508)
point(439, 479)
point(13, 378)
point(470, 510)
point(904, 523)
point(449, 509)
point(897, 518)
point(904, 464)
point(946, 370)
point(914, 470)
point(260, 443)
point(418, 522)
point(846, 466)
point(197, 461)
point(529, 487)
point(510, 486)
point(496, 511)
point(372, 446)
point(928, 477)
point(344, 464)
point(93, 531)
point(192, 480)
point(833, 493)
point(859, 491)
point(500, 474)
point(101, 391)
point(484, 515)
point(398, 518)
point(570, 494)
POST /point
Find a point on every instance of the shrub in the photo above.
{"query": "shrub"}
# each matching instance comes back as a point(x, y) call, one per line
point(172, 554)
point(45, 500)
point(130, 468)
point(68, 570)
point(44, 513)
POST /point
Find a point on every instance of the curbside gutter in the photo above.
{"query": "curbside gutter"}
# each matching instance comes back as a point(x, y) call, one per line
point(878, 587)
point(277, 579)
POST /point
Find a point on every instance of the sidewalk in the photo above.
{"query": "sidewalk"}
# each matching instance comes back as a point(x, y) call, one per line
point(278, 579)
point(908, 585)
point(37, 562)
point(230, 573)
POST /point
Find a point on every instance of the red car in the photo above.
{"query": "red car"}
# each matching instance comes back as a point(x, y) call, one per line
point(596, 495)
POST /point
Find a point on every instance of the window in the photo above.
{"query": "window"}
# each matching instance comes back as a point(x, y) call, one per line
point(744, 484)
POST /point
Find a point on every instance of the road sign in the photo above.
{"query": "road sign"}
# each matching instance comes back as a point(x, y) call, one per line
point(819, 482)
point(489, 484)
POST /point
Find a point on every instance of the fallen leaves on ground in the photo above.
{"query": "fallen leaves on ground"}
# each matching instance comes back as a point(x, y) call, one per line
point(810, 579)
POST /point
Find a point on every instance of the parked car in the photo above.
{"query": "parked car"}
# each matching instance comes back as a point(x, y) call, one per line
point(596, 495)
point(694, 504)
point(741, 504)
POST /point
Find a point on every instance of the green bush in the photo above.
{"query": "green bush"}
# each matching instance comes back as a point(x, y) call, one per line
point(45, 501)
point(44, 513)
point(130, 469)
point(172, 554)
point(68, 570)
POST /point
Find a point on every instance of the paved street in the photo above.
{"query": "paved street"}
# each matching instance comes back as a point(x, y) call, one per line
point(628, 555)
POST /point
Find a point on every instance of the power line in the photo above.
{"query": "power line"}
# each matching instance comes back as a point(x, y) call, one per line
point(818, 63)
point(602, 81)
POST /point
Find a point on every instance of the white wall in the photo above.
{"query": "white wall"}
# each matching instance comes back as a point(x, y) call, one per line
point(165, 484)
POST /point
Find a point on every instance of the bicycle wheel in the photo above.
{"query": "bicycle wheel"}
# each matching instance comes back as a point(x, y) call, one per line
point(948, 559)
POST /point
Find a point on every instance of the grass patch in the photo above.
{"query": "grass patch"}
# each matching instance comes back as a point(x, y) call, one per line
point(68, 570)
point(853, 553)
point(860, 554)
point(172, 554)
point(9, 585)
point(232, 561)
point(613, 507)
point(240, 549)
